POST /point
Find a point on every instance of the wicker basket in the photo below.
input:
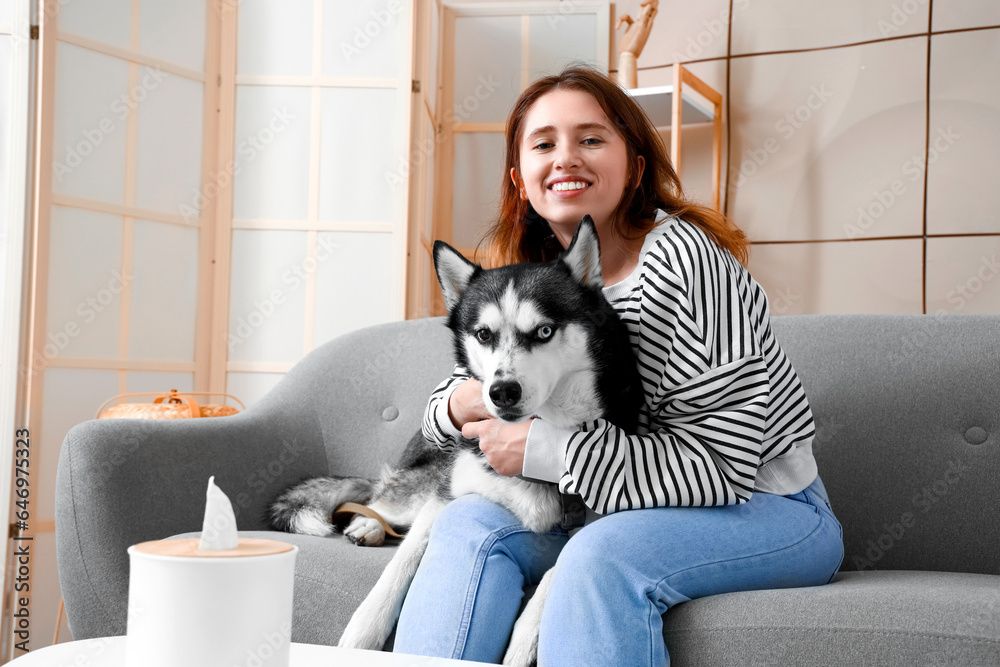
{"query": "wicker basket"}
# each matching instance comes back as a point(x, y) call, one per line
point(167, 406)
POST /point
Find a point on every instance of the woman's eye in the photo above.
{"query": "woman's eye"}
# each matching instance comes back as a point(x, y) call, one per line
point(483, 335)
point(544, 332)
point(593, 141)
point(545, 145)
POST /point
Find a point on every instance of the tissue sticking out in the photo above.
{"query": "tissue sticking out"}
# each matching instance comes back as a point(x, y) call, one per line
point(218, 530)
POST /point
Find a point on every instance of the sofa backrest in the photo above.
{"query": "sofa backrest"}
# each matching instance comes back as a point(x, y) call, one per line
point(906, 406)
point(368, 390)
point(908, 440)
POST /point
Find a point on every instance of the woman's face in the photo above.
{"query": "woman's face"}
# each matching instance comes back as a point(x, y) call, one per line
point(573, 161)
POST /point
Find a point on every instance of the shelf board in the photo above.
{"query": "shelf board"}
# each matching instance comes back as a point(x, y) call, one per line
point(657, 102)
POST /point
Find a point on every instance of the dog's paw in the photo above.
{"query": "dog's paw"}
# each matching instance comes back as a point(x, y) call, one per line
point(365, 532)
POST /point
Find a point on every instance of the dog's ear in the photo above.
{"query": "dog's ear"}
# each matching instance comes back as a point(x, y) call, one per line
point(583, 256)
point(453, 271)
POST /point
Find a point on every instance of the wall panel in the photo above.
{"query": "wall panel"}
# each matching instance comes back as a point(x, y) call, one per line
point(897, 151)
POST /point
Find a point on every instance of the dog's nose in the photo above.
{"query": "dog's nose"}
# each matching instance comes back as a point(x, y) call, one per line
point(505, 393)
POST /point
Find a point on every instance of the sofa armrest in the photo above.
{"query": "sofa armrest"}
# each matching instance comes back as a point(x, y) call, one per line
point(125, 481)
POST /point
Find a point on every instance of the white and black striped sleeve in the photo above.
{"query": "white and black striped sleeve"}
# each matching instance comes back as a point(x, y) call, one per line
point(437, 425)
point(706, 385)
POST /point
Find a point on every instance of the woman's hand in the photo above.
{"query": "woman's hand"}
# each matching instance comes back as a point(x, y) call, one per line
point(502, 443)
point(466, 403)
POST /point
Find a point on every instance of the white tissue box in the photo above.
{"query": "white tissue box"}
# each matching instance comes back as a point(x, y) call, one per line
point(210, 608)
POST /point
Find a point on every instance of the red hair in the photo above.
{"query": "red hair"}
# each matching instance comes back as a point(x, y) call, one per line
point(521, 235)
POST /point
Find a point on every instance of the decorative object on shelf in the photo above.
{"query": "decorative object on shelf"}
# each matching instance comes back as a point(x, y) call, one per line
point(174, 405)
point(633, 41)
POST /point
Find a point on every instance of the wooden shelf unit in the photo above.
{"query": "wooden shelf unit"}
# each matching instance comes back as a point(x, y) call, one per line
point(667, 110)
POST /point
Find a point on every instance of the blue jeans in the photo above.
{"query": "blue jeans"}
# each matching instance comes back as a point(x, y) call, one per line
point(613, 580)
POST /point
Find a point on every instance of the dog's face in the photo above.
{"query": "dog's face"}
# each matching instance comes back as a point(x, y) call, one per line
point(524, 330)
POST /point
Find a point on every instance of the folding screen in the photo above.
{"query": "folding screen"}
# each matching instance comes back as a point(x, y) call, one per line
point(319, 213)
point(215, 199)
point(427, 122)
point(120, 261)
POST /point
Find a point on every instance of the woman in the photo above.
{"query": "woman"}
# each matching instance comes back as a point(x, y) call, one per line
point(718, 491)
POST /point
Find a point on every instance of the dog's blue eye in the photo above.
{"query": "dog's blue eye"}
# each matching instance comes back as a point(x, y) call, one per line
point(544, 332)
point(483, 335)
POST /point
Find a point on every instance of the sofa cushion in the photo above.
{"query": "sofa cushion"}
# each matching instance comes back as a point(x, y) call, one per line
point(883, 618)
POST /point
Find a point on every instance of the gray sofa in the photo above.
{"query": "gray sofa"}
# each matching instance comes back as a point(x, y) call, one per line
point(908, 443)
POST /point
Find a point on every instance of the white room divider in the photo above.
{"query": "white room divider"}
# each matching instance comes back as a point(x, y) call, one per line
point(118, 270)
point(214, 199)
point(319, 230)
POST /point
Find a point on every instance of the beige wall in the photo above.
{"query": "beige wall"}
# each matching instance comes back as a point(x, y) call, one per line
point(834, 109)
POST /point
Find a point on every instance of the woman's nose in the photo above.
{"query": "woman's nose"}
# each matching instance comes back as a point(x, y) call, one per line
point(567, 157)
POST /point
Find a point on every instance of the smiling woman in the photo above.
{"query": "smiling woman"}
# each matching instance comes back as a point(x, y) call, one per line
point(725, 422)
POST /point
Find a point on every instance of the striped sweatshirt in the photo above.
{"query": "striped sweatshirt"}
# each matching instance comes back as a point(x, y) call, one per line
point(724, 412)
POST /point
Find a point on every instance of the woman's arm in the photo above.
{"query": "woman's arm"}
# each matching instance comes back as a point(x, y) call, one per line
point(455, 402)
point(437, 425)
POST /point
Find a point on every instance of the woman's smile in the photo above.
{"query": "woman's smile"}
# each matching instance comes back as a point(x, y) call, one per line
point(569, 186)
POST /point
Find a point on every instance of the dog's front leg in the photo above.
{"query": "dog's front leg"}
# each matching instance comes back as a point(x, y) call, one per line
point(523, 648)
point(371, 624)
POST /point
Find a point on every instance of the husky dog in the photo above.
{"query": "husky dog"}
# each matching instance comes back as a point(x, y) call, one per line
point(545, 343)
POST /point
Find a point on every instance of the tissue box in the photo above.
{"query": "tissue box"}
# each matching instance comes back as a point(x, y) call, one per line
point(206, 608)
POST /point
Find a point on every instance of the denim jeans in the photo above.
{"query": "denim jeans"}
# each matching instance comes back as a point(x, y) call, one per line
point(614, 578)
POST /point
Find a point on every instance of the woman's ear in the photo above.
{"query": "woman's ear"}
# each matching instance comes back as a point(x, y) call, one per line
point(642, 167)
point(517, 184)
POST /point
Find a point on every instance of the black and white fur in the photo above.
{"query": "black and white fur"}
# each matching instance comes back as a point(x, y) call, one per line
point(544, 342)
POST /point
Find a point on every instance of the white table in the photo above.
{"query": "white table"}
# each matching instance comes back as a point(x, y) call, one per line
point(110, 652)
